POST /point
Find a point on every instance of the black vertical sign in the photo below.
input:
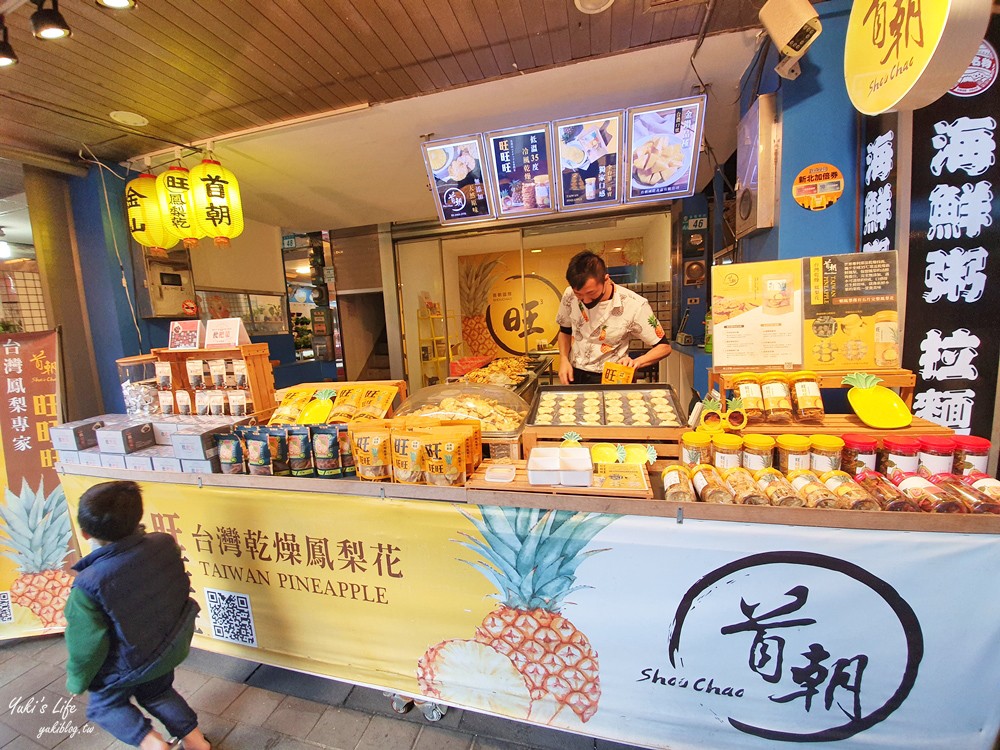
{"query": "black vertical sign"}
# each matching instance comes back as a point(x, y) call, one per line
point(953, 285)
point(878, 184)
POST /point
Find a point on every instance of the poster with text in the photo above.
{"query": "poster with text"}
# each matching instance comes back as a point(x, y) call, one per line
point(632, 629)
point(757, 314)
point(455, 168)
point(851, 313)
point(664, 142)
point(953, 276)
point(879, 188)
point(523, 176)
point(588, 159)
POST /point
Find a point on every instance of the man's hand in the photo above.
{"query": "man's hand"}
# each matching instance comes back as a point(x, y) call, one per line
point(565, 371)
point(629, 362)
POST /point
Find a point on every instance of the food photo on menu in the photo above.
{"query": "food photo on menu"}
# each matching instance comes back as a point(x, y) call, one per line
point(588, 161)
point(458, 179)
point(664, 145)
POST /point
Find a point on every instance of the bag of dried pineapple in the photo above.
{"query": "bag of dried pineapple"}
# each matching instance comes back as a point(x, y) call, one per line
point(371, 444)
point(407, 457)
point(346, 403)
point(473, 431)
point(444, 453)
point(375, 401)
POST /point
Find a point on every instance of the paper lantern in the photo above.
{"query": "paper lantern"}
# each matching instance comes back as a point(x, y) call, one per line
point(215, 199)
point(172, 191)
point(144, 220)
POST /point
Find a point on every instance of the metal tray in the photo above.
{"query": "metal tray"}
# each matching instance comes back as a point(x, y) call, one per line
point(551, 406)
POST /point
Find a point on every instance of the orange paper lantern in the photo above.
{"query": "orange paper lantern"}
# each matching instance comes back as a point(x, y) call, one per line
point(172, 191)
point(144, 220)
point(215, 199)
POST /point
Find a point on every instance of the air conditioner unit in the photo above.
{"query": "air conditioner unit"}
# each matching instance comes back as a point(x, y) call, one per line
point(757, 155)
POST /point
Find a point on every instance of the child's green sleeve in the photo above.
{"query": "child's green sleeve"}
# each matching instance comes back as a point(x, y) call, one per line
point(86, 640)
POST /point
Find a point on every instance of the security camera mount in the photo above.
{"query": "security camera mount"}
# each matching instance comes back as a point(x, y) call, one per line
point(788, 67)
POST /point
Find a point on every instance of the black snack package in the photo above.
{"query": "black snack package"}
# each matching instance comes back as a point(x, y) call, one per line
point(326, 451)
point(300, 452)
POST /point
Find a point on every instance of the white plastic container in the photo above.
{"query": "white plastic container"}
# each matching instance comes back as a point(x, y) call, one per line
point(543, 466)
point(576, 468)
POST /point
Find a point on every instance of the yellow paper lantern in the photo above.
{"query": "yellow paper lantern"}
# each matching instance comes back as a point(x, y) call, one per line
point(172, 191)
point(216, 203)
point(143, 210)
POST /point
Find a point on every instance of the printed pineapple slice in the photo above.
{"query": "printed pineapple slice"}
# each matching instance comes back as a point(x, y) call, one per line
point(473, 674)
point(475, 280)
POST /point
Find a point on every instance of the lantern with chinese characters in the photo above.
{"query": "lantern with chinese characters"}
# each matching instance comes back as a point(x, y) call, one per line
point(144, 221)
point(172, 191)
point(215, 198)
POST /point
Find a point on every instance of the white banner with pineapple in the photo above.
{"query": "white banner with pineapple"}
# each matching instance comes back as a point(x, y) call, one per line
point(35, 534)
point(635, 629)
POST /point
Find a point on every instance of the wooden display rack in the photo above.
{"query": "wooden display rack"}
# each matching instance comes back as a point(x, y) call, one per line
point(720, 379)
point(521, 484)
point(260, 375)
point(665, 440)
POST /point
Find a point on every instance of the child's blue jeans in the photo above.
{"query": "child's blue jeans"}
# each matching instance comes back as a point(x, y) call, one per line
point(113, 710)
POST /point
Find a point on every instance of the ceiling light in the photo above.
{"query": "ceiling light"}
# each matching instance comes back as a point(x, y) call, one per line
point(4, 250)
point(302, 270)
point(7, 56)
point(116, 4)
point(48, 23)
point(592, 6)
point(537, 250)
point(129, 118)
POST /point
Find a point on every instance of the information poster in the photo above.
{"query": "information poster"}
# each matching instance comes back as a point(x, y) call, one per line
point(589, 161)
point(523, 176)
point(757, 314)
point(851, 313)
point(456, 172)
point(664, 144)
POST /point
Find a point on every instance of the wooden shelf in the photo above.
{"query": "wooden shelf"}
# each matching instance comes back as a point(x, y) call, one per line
point(521, 484)
point(721, 378)
point(260, 374)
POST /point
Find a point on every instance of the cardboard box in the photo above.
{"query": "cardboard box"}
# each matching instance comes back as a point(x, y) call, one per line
point(68, 457)
point(125, 437)
point(113, 460)
point(142, 460)
point(75, 436)
point(166, 463)
point(163, 429)
point(194, 466)
point(90, 457)
point(196, 443)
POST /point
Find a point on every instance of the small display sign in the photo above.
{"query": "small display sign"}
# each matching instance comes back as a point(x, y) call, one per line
point(186, 334)
point(664, 141)
point(456, 170)
point(588, 157)
point(523, 176)
point(225, 333)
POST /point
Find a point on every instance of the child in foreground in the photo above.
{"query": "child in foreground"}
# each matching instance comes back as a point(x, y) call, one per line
point(129, 623)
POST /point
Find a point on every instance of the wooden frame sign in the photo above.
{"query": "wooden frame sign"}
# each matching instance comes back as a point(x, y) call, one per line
point(459, 179)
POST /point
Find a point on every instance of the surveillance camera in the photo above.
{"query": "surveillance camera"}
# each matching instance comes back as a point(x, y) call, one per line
point(792, 25)
point(788, 67)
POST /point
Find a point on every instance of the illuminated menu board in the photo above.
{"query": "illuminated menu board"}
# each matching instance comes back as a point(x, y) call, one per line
point(588, 155)
point(664, 141)
point(523, 178)
point(456, 170)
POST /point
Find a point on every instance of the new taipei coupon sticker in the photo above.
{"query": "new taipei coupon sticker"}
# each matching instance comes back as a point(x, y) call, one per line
point(818, 186)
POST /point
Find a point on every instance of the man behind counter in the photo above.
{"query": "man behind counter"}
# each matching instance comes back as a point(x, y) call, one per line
point(597, 319)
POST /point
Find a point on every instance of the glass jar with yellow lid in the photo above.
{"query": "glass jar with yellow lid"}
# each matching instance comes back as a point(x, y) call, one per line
point(758, 452)
point(726, 451)
point(807, 400)
point(779, 490)
point(777, 397)
point(815, 493)
point(825, 454)
point(696, 448)
point(746, 387)
point(793, 452)
point(677, 485)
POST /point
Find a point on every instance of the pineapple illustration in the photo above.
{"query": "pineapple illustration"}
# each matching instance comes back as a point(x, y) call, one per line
point(656, 325)
point(475, 282)
point(531, 556)
point(38, 531)
point(604, 333)
point(605, 348)
point(473, 673)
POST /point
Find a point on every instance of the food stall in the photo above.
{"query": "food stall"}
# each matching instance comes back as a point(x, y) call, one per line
point(595, 607)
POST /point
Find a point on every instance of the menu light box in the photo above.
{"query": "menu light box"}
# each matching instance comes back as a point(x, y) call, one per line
point(520, 161)
point(587, 154)
point(664, 142)
point(457, 173)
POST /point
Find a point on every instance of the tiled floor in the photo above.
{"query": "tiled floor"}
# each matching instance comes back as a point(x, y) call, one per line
point(247, 706)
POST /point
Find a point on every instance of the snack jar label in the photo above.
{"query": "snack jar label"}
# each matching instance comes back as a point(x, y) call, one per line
point(751, 394)
point(700, 481)
point(821, 463)
point(691, 456)
point(670, 478)
point(756, 461)
point(800, 461)
point(774, 391)
point(904, 464)
point(930, 464)
point(727, 460)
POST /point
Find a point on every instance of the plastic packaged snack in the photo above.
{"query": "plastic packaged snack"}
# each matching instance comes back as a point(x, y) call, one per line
point(300, 452)
point(825, 453)
point(807, 399)
point(777, 397)
point(935, 456)
point(793, 452)
point(164, 376)
point(930, 497)
point(240, 374)
point(326, 450)
point(709, 485)
point(843, 484)
point(888, 495)
point(726, 451)
point(898, 455)
point(371, 445)
point(978, 502)
point(216, 403)
point(183, 402)
point(745, 489)
point(444, 458)
point(696, 448)
point(984, 483)
point(201, 402)
point(814, 492)
point(237, 403)
point(677, 485)
point(278, 443)
point(231, 454)
point(859, 453)
point(779, 491)
point(166, 401)
point(196, 373)
point(758, 452)
point(407, 457)
point(971, 454)
point(258, 451)
point(217, 371)
point(346, 451)
point(746, 386)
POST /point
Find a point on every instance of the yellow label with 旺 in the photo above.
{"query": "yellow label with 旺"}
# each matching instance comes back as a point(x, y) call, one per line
point(615, 373)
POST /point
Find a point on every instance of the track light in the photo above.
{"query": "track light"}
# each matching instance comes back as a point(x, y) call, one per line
point(116, 4)
point(48, 23)
point(7, 56)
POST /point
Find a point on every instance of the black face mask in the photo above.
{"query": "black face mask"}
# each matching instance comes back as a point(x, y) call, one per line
point(596, 302)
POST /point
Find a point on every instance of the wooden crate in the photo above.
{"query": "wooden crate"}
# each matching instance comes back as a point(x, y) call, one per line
point(260, 375)
point(521, 484)
point(665, 440)
point(720, 378)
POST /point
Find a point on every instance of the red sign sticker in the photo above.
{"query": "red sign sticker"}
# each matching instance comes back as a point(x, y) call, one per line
point(189, 307)
point(980, 75)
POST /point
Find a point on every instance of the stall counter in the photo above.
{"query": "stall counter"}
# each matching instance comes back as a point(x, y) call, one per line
point(656, 624)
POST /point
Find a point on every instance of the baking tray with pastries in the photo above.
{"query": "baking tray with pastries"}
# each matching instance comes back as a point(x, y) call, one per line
point(645, 405)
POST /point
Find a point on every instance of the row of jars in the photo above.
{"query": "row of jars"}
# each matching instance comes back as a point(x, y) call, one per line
point(779, 397)
point(961, 454)
point(869, 490)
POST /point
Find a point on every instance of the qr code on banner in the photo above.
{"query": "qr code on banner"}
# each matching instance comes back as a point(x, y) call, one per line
point(231, 617)
point(6, 614)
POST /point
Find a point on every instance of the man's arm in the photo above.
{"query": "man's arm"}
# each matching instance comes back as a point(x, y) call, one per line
point(651, 357)
point(565, 341)
point(86, 640)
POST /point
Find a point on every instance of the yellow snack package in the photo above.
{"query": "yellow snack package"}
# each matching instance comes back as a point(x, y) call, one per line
point(346, 404)
point(291, 406)
point(371, 445)
point(615, 373)
point(375, 401)
point(408, 456)
point(444, 451)
point(473, 431)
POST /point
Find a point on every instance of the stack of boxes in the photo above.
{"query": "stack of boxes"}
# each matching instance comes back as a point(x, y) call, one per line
point(658, 295)
point(164, 443)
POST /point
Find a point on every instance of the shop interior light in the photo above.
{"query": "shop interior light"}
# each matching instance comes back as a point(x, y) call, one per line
point(116, 4)
point(7, 56)
point(48, 23)
point(4, 249)
point(302, 270)
point(592, 6)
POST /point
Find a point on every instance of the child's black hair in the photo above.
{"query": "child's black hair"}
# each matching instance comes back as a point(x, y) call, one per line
point(111, 510)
